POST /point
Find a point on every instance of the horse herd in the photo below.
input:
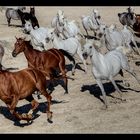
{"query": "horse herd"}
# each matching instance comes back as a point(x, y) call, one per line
point(48, 64)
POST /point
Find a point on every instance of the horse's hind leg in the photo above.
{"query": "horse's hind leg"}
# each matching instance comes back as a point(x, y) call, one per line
point(134, 42)
point(125, 66)
point(62, 69)
point(8, 20)
point(129, 70)
point(116, 87)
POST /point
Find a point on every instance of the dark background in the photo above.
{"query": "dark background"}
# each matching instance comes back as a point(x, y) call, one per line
point(70, 2)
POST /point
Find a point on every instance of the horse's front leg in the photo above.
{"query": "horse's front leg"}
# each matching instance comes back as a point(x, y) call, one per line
point(49, 113)
point(23, 22)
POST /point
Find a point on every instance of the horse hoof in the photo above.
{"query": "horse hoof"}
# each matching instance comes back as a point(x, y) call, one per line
point(29, 121)
point(104, 107)
point(50, 121)
point(127, 84)
point(30, 116)
point(65, 93)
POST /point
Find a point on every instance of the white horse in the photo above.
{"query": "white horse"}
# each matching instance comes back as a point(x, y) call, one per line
point(105, 67)
point(58, 22)
point(38, 36)
point(59, 18)
point(70, 29)
point(64, 27)
point(129, 37)
point(113, 37)
point(92, 22)
point(71, 45)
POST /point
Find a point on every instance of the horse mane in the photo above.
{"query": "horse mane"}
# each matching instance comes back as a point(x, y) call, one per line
point(28, 43)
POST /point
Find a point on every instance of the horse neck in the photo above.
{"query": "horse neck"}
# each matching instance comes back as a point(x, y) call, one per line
point(20, 12)
point(28, 51)
point(32, 29)
point(56, 41)
point(97, 57)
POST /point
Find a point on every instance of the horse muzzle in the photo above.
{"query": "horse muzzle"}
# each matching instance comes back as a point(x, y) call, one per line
point(14, 54)
point(47, 39)
point(25, 31)
point(85, 55)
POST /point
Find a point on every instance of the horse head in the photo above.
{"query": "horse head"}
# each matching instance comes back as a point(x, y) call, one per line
point(19, 46)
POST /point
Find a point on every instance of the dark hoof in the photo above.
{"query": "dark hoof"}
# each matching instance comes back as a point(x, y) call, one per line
point(127, 84)
point(65, 92)
point(123, 100)
point(50, 121)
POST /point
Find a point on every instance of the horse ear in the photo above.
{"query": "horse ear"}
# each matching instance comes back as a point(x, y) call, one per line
point(16, 38)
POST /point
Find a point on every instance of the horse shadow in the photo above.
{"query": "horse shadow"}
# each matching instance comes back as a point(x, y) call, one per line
point(13, 25)
point(90, 37)
point(70, 66)
point(24, 109)
point(108, 87)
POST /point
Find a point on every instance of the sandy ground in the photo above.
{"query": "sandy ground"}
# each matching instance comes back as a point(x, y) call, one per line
point(80, 110)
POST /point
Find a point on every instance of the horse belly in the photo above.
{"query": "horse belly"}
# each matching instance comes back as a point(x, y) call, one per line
point(14, 15)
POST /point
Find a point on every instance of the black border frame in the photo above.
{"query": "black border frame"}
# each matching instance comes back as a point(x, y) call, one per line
point(66, 3)
point(70, 2)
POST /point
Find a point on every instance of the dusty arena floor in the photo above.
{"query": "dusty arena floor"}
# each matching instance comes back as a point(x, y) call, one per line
point(80, 110)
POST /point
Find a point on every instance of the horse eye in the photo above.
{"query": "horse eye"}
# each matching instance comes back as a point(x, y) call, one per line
point(90, 47)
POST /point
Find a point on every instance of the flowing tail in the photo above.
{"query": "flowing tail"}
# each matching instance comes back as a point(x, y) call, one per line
point(69, 56)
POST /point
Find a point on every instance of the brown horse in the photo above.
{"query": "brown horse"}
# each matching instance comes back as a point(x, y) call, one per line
point(15, 86)
point(136, 26)
point(47, 61)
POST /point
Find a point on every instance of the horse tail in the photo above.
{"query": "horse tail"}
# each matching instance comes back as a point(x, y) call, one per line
point(137, 34)
point(68, 55)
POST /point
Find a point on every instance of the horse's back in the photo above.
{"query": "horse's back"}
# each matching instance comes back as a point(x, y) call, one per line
point(24, 80)
point(12, 13)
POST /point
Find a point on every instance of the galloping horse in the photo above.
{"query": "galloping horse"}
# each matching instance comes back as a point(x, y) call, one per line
point(18, 14)
point(47, 61)
point(20, 85)
point(28, 16)
point(11, 13)
point(127, 18)
point(136, 26)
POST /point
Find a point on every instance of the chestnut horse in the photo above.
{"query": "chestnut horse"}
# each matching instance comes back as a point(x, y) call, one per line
point(47, 61)
point(136, 26)
point(15, 86)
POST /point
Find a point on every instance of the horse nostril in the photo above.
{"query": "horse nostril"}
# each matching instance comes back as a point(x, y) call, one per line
point(13, 54)
point(85, 55)
point(99, 17)
point(47, 39)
